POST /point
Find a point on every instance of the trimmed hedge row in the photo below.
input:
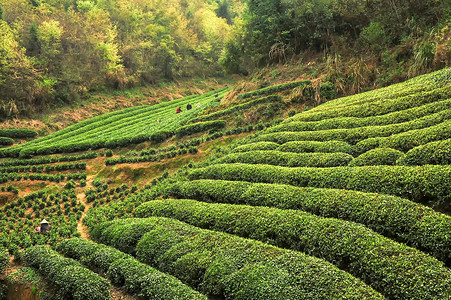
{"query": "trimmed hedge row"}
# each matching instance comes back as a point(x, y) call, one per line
point(200, 127)
point(406, 273)
point(46, 160)
point(226, 266)
point(71, 279)
point(407, 140)
point(123, 269)
point(434, 153)
point(377, 157)
point(353, 122)
point(355, 135)
point(277, 158)
point(45, 168)
point(382, 107)
point(274, 89)
point(428, 184)
point(17, 133)
point(239, 107)
point(6, 141)
point(4, 260)
point(256, 146)
point(313, 146)
point(406, 221)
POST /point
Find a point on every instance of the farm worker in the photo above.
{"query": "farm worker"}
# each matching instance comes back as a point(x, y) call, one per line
point(179, 110)
point(216, 96)
point(198, 104)
point(188, 106)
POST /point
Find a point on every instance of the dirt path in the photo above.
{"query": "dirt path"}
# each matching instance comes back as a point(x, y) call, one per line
point(81, 197)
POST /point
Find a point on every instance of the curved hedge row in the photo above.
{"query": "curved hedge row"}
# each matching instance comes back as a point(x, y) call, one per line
point(6, 141)
point(230, 267)
point(314, 146)
point(421, 184)
point(406, 221)
point(200, 127)
point(353, 122)
point(355, 135)
point(71, 279)
point(434, 153)
point(46, 160)
point(407, 140)
point(377, 157)
point(382, 107)
point(17, 133)
point(239, 107)
point(277, 158)
point(274, 89)
point(406, 273)
point(122, 269)
point(256, 146)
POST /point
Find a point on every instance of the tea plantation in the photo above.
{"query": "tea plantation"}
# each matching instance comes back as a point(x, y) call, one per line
point(348, 200)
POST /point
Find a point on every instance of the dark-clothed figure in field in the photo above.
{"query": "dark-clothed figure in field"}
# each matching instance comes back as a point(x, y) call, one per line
point(188, 106)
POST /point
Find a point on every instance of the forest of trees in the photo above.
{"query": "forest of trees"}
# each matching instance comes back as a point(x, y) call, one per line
point(52, 51)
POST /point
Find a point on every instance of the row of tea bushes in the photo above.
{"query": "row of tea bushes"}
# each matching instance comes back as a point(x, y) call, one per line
point(122, 269)
point(421, 83)
point(275, 89)
point(70, 278)
point(149, 158)
point(200, 127)
point(230, 267)
point(400, 219)
point(402, 116)
point(6, 141)
point(406, 273)
point(45, 168)
point(407, 140)
point(382, 107)
point(47, 160)
point(378, 156)
point(298, 147)
point(17, 133)
point(239, 107)
point(274, 157)
point(428, 184)
point(37, 176)
point(354, 135)
point(434, 153)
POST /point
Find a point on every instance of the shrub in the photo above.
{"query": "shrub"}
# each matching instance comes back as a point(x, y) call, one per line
point(200, 127)
point(421, 184)
point(434, 153)
point(4, 259)
point(350, 246)
point(123, 269)
point(223, 265)
point(108, 152)
point(398, 218)
point(71, 279)
point(273, 157)
point(378, 156)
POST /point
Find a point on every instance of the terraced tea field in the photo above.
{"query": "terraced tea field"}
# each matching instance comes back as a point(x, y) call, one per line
point(349, 200)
